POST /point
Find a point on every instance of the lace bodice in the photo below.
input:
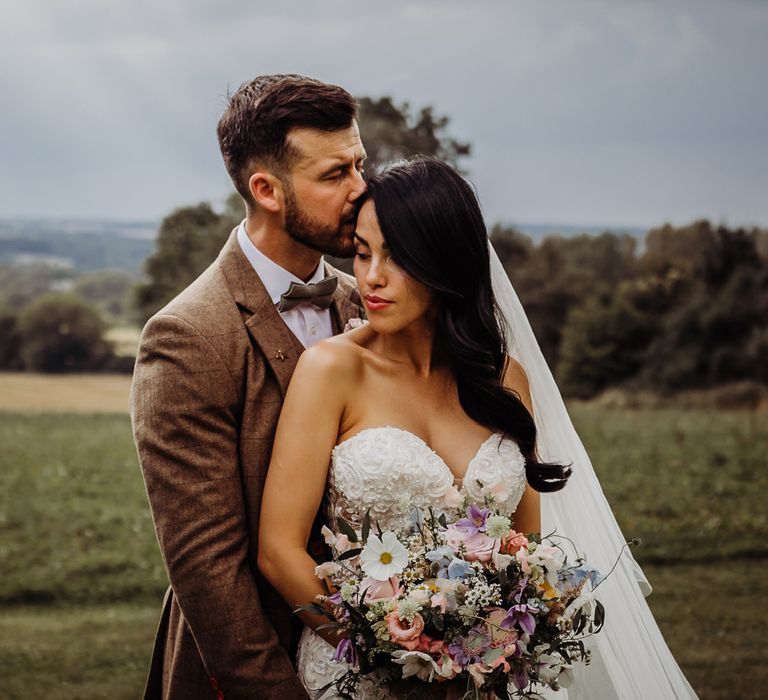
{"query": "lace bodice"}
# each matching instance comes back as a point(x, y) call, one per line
point(390, 470)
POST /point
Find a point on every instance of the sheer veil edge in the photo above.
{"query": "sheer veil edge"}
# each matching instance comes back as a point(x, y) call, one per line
point(630, 659)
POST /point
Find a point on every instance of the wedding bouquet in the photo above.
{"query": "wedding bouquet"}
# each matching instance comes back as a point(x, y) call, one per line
point(469, 600)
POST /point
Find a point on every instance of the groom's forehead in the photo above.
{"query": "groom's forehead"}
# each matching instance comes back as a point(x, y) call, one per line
point(316, 147)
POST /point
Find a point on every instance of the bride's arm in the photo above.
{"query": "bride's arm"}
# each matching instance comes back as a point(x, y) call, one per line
point(528, 514)
point(306, 434)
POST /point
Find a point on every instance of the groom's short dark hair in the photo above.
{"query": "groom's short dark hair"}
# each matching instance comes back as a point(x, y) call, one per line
point(254, 127)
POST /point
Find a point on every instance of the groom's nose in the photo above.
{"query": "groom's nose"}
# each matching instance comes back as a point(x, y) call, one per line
point(358, 186)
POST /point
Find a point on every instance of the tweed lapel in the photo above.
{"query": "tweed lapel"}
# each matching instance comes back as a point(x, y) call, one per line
point(279, 346)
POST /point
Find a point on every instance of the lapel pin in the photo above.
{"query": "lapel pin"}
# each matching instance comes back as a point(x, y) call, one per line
point(280, 355)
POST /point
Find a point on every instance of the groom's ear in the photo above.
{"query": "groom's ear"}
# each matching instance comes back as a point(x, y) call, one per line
point(266, 190)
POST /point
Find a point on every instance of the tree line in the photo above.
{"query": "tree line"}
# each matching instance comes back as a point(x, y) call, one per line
point(684, 308)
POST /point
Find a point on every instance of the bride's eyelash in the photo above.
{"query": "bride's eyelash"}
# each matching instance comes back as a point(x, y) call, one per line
point(361, 255)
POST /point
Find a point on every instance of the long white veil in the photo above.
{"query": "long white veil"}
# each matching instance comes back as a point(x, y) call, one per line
point(630, 659)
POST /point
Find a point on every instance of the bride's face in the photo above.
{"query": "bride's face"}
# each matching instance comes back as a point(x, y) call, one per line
point(393, 299)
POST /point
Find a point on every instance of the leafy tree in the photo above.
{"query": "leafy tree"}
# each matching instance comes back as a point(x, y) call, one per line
point(603, 343)
point(715, 330)
point(559, 274)
point(62, 333)
point(188, 241)
point(9, 340)
point(391, 132)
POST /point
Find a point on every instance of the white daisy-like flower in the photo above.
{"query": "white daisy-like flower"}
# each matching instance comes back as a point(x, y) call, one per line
point(407, 609)
point(497, 526)
point(383, 558)
point(416, 663)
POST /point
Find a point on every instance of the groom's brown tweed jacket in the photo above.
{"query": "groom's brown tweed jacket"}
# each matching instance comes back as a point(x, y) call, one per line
point(210, 378)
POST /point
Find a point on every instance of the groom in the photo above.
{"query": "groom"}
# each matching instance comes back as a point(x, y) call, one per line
point(211, 374)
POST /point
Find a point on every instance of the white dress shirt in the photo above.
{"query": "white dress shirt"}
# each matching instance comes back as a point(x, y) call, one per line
point(308, 323)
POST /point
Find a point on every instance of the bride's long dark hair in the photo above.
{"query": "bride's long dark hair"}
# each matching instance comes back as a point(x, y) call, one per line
point(431, 220)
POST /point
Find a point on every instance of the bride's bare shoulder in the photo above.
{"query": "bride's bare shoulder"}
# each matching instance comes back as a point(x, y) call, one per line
point(339, 359)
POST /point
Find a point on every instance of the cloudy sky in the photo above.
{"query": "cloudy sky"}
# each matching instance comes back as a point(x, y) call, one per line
point(586, 112)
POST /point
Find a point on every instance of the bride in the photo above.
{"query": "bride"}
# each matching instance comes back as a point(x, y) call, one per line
point(426, 397)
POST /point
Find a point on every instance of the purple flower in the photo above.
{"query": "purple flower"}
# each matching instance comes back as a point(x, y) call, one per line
point(520, 615)
point(345, 651)
point(468, 650)
point(475, 520)
point(519, 677)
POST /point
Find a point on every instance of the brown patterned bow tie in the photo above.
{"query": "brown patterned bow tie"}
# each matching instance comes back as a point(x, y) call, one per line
point(319, 294)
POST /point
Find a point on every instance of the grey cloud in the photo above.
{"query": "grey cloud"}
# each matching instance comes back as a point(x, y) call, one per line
point(597, 111)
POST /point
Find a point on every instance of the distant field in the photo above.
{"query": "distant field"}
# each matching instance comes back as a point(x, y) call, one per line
point(66, 393)
point(82, 577)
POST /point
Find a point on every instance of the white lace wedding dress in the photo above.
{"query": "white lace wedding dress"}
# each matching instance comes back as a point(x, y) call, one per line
point(389, 471)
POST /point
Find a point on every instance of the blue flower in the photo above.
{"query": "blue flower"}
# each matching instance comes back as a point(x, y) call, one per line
point(575, 576)
point(458, 568)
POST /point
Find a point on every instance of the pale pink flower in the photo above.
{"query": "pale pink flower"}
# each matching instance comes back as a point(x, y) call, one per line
point(480, 547)
point(453, 537)
point(402, 632)
point(522, 557)
point(378, 591)
point(513, 541)
point(440, 601)
point(342, 543)
point(419, 596)
point(500, 637)
point(477, 671)
point(500, 661)
point(327, 569)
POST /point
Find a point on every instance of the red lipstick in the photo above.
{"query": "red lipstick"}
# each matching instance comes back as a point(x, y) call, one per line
point(375, 303)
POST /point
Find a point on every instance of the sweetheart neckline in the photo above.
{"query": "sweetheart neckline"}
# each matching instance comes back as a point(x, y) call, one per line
point(456, 479)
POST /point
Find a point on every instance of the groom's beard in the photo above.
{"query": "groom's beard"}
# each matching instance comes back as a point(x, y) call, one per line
point(299, 225)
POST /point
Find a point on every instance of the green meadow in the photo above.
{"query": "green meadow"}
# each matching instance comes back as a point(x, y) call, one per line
point(82, 579)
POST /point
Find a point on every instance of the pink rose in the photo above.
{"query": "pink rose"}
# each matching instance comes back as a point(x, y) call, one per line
point(404, 633)
point(513, 541)
point(377, 591)
point(479, 547)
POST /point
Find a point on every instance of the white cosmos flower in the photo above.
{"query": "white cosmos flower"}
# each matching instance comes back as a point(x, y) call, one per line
point(383, 558)
point(586, 600)
point(416, 663)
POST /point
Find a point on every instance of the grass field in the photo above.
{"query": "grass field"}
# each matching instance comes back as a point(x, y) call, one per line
point(82, 580)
